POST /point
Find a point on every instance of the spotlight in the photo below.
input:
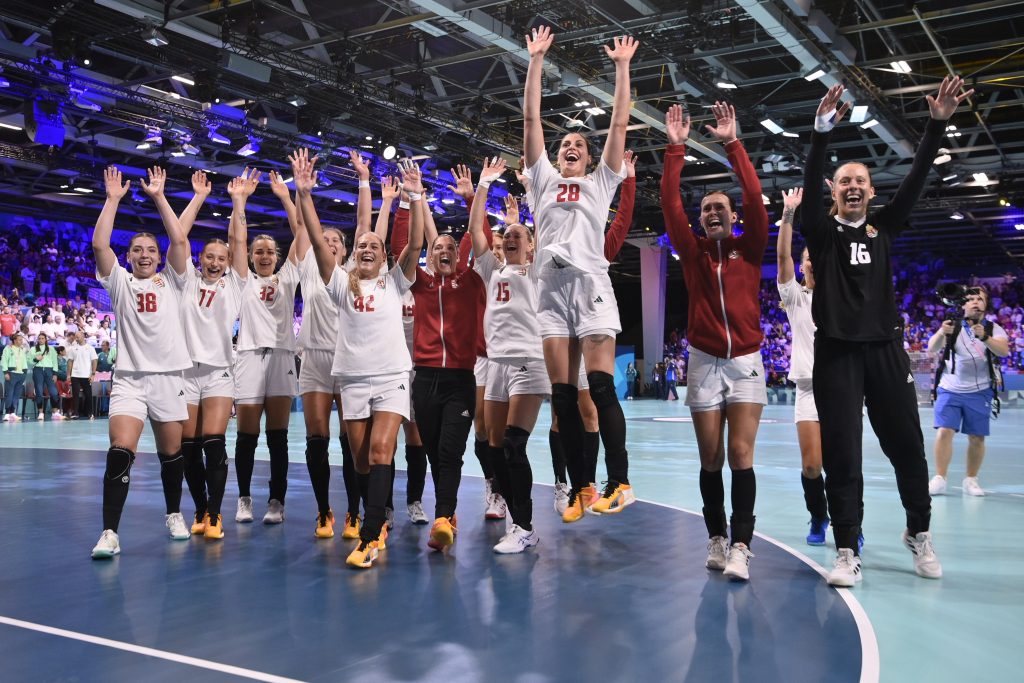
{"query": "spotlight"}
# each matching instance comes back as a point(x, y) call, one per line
point(390, 152)
point(154, 37)
point(178, 152)
point(1003, 201)
point(869, 124)
point(943, 157)
point(981, 178)
point(772, 126)
point(956, 216)
point(815, 74)
point(249, 148)
point(183, 79)
point(217, 137)
point(189, 148)
point(596, 111)
point(900, 67)
point(724, 82)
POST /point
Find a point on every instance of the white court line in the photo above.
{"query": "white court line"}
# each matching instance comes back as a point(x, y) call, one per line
point(149, 652)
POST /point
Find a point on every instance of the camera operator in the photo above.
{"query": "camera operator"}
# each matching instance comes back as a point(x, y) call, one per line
point(966, 384)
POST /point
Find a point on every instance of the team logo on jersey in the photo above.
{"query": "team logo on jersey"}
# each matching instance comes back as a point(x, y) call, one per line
point(158, 281)
point(871, 231)
point(839, 228)
point(734, 254)
point(522, 271)
point(381, 284)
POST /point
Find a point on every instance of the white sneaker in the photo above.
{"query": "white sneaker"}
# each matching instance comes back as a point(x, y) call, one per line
point(416, 513)
point(561, 497)
point(176, 525)
point(7, 417)
point(737, 563)
point(937, 486)
point(57, 415)
point(516, 540)
point(389, 517)
point(107, 546)
point(275, 512)
point(243, 513)
point(487, 491)
point(718, 547)
point(846, 571)
point(926, 564)
point(972, 487)
point(496, 508)
point(40, 416)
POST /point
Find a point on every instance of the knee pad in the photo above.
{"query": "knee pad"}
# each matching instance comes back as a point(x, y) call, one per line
point(602, 389)
point(246, 443)
point(119, 464)
point(317, 450)
point(515, 446)
point(564, 399)
point(277, 440)
point(171, 461)
point(190, 449)
point(215, 448)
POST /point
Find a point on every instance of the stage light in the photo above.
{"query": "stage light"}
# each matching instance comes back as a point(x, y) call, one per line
point(869, 124)
point(154, 37)
point(943, 158)
point(218, 138)
point(981, 178)
point(9, 126)
point(595, 111)
point(957, 216)
point(859, 113)
point(249, 148)
point(183, 79)
point(900, 67)
point(724, 82)
point(189, 148)
point(815, 74)
point(390, 152)
point(772, 126)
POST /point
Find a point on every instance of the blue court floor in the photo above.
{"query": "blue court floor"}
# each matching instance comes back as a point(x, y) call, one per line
point(623, 597)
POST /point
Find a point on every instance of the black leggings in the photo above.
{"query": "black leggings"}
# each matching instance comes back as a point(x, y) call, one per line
point(445, 401)
point(82, 388)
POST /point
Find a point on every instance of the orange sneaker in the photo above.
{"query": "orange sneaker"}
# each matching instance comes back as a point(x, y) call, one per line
point(442, 534)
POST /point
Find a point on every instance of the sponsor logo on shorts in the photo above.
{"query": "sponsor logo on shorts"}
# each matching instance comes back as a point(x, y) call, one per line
point(181, 393)
point(598, 300)
point(291, 372)
point(910, 378)
point(465, 413)
point(226, 374)
point(522, 369)
point(401, 387)
point(753, 373)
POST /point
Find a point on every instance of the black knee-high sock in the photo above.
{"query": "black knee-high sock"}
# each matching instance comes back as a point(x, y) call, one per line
point(390, 505)
point(565, 400)
point(499, 466)
point(317, 448)
point(245, 460)
point(814, 496)
point(591, 447)
point(364, 489)
point(172, 471)
point(116, 478)
point(712, 492)
point(216, 471)
point(277, 444)
point(415, 473)
point(480, 450)
point(348, 473)
point(195, 473)
point(557, 456)
point(744, 492)
point(612, 423)
point(377, 483)
point(520, 476)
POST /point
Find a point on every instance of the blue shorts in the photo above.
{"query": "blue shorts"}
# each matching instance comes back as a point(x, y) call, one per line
point(967, 413)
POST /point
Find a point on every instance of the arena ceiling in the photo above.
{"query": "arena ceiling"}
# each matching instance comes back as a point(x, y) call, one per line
point(441, 80)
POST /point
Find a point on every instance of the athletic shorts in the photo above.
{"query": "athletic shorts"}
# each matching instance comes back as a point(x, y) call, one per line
point(160, 396)
point(480, 371)
point(576, 304)
point(516, 379)
point(806, 410)
point(363, 396)
point(713, 382)
point(967, 413)
point(207, 381)
point(264, 372)
point(315, 374)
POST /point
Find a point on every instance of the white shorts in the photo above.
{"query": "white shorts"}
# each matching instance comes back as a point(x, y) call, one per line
point(160, 396)
point(715, 382)
point(481, 370)
point(806, 410)
point(576, 304)
point(315, 373)
point(264, 372)
point(363, 396)
point(516, 379)
point(208, 381)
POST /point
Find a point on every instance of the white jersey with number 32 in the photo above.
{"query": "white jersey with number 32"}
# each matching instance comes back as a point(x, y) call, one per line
point(208, 314)
point(267, 313)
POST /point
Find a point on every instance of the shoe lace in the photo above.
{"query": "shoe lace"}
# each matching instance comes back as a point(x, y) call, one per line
point(574, 493)
point(609, 488)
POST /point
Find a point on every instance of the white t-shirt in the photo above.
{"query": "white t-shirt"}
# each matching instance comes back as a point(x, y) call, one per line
point(148, 314)
point(571, 214)
point(268, 310)
point(81, 357)
point(208, 314)
point(971, 365)
point(510, 321)
point(373, 343)
point(319, 314)
point(797, 301)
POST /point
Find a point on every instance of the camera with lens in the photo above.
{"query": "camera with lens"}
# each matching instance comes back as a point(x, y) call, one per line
point(955, 295)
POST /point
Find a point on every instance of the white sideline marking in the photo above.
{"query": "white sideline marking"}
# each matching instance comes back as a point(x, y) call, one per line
point(148, 651)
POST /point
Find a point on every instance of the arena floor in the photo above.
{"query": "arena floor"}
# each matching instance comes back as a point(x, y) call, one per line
point(624, 597)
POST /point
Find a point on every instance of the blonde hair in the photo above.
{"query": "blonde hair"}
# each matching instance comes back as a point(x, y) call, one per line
point(353, 275)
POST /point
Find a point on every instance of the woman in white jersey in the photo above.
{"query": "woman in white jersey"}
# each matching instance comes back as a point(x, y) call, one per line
point(152, 355)
point(265, 376)
point(517, 381)
point(577, 308)
point(370, 358)
point(210, 298)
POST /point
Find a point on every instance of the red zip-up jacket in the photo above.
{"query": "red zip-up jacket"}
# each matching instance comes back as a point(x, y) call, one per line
point(723, 277)
point(616, 234)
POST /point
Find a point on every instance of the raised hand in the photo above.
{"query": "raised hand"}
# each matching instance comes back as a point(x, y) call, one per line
point(244, 186)
point(112, 183)
point(390, 189)
point(677, 125)
point(511, 210)
point(412, 178)
point(539, 41)
point(622, 50)
point(724, 129)
point(791, 198)
point(200, 185)
point(492, 170)
point(359, 165)
point(944, 103)
point(629, 162)
point(831, 103)
point(157, 180)
point(463, 181)
point(520, 175)
point(278, 186)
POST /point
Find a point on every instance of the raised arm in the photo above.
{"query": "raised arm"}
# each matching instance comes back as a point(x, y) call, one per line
point(831, 111)
point(620, 53)
point(364, 206)
point(304, 172)
point(537, 44)
point(389, 191)
point(616, 234)
point(178, 253)
point(400, 229)
point(200, 191)
point(413, 185)
point(101, 251)
point(755, 217)
point(240, 189)
point(677, 225)
point(493, 168)
point(280, 189)
point(784, 247)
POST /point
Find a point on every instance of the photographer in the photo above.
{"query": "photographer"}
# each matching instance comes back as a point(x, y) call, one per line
point(966, 383)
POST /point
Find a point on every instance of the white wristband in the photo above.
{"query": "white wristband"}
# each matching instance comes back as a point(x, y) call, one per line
point(403, 205)
point(484, 184)
point(364, 183)
point(824, 123)
point(415, 196)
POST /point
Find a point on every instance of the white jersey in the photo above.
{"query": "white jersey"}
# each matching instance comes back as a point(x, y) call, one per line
point(796, 299)
point(373, 343)
point(510, 321)
point(208, 314)
point(408, 317)
point(148, 314)
point(971, 365)
point(571, 214)
point(319, 314)
point(268, 310)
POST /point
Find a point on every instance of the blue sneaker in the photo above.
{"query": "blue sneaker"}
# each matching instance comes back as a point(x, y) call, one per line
point(819, 527)
point(860, 544)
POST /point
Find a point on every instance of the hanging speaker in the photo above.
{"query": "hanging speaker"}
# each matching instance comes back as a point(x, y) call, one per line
point(43, 122)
